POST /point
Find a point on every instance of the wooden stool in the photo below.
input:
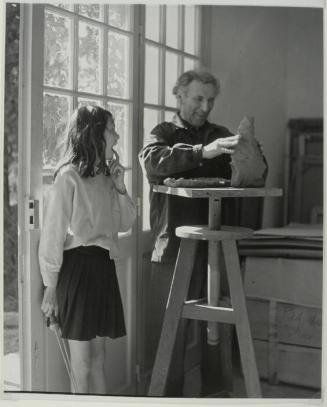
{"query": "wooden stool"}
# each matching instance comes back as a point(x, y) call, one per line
point(178, 308)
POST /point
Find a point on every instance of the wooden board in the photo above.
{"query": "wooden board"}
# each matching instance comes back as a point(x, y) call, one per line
point(295, 364)
point(295, 281)
point(294, 324)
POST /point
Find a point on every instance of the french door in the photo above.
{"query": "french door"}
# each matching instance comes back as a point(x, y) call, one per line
point(72, 55)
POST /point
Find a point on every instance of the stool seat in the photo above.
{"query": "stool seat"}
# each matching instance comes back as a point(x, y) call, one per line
point(202, 232)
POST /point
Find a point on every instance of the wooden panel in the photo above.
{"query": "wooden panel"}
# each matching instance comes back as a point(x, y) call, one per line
point(295, 364)
point(304, 169)
point(295, 324)
point(296, 281)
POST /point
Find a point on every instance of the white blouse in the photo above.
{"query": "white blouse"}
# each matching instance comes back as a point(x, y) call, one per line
point(81, 211)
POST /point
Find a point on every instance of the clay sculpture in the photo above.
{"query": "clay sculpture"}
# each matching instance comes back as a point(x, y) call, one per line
point(248, 165)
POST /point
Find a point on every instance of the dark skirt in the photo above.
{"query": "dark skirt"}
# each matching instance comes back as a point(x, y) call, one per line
point(88, 295)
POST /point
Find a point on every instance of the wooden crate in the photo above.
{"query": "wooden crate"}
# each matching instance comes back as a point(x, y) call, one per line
point(287, 341)
point(287, 323)
point(292, 364)
point(286, 328)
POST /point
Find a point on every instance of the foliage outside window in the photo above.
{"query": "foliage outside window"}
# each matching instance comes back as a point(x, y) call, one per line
point(10, 174)
point(87, 59)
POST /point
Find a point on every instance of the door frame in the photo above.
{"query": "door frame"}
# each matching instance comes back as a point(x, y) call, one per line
point(29, 182)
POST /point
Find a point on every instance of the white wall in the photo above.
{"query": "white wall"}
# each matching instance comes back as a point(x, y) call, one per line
point(305, 63)
point(256, 52)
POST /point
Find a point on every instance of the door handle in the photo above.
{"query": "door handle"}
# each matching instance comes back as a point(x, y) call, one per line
point(33, 214)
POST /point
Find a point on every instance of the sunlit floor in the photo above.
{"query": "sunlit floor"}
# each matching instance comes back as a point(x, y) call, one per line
point(11, 371)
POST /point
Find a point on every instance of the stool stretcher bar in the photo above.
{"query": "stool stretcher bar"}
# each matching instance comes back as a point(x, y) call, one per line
point(205, 312)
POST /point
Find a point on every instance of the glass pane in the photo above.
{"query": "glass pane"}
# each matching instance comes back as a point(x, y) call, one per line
point(152, 22)
point(172, 25)
point(146, 204)
point(151, 83)
point(57, 50)
point(191, 29)
point(120, 16)
point(151, 119)
point(189, 64)
point(91, 102)
point(121, 116)
point(171, 77)
point(91, 10)
point(169, 115)
point(118, 65)
point(89, 78)
point(56, 113)
point(63, 5)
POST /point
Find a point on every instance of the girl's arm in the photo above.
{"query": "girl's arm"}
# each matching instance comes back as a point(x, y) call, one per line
point(56, 220)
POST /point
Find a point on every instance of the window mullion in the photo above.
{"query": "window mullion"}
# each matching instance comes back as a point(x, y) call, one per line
point(182, 34)
point(162, 58)
point(203, 40)
point(75, 50)
point(105, 62)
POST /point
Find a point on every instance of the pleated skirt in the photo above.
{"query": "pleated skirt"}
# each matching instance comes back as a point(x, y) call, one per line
point(88, 295)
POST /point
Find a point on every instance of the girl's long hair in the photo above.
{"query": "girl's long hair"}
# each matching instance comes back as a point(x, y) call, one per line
point(84, 144)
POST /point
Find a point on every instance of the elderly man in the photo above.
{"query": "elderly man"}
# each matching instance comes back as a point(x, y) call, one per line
point(188, 146)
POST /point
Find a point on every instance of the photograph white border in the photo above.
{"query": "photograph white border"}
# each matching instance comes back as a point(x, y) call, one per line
point(35, 399)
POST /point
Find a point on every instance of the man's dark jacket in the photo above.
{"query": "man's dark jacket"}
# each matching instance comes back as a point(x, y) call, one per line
point(174, 149)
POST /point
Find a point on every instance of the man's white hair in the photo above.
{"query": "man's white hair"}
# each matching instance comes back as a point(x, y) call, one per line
point(201, 75)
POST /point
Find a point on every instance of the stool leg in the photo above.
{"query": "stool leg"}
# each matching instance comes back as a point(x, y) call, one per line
point(178, 292)
point(243, 331)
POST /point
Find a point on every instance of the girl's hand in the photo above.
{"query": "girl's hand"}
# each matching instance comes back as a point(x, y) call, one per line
point(50, 304)
point(117, 172)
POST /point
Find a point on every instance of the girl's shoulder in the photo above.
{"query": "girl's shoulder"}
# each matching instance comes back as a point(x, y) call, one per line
point(67, 174)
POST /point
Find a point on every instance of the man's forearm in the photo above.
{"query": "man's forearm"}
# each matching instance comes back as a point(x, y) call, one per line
point(160, 160)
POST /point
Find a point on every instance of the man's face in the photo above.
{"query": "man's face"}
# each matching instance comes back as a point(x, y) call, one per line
point(197, 102)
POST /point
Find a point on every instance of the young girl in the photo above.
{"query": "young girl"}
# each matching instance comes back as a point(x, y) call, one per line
point(86, 208)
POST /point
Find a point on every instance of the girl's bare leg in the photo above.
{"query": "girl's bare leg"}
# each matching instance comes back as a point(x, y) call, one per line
point(98, 380)
point(80, 358)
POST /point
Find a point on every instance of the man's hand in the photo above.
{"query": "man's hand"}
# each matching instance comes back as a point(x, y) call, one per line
point(220, 146)
point(50, 304)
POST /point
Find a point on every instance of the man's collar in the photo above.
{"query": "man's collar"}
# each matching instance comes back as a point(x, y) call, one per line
point(179, 122)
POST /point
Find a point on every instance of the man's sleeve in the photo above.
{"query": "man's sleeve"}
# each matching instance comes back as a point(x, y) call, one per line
point(161, 157)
